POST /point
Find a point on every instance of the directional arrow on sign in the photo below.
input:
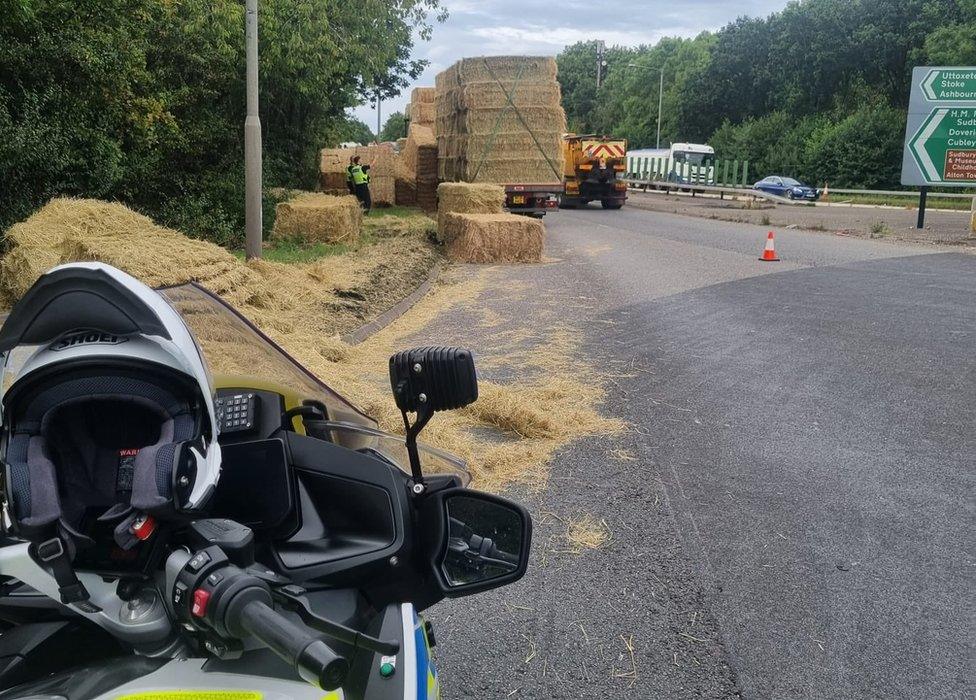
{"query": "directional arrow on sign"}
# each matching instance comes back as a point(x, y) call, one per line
point(942, 85)
point(946, 131)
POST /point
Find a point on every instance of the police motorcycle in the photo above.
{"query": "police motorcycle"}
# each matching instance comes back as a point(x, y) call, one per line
point(174, 534)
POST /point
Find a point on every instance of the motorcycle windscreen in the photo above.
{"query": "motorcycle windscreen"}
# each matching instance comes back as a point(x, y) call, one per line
point(238, 352)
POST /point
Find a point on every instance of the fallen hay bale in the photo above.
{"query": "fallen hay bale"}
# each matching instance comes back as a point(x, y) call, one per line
point(492, 238)
point(326, 297)
point(468, 198)
point(319, 218)
point(67, 230)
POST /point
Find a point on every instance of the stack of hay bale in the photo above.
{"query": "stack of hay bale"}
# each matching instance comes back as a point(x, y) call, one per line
point(421, 110)
point(427, 177)
point(474, 228)
point(499, 119)
point(417, 178)
point(319, 218)
point(381, 159)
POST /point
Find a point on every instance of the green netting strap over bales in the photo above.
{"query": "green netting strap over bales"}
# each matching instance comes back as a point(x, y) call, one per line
point(509, 97)
point(498, 120)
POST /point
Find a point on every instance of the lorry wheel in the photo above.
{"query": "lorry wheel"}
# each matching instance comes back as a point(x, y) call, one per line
point(609, 204)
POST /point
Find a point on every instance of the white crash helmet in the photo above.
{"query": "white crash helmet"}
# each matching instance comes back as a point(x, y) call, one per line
point(107, 407)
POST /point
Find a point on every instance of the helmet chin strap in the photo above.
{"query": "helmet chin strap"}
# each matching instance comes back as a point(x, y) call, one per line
point(54, 555)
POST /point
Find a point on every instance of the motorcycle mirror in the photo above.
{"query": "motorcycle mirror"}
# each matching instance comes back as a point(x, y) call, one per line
point(485, 542)
point(431, 379)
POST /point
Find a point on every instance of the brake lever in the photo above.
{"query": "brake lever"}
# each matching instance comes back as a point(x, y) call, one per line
point(293, 598)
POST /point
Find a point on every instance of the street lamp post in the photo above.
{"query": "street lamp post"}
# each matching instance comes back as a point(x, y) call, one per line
point(660, 99)
point(377, 116)
point(660, 104)
point(252, 141)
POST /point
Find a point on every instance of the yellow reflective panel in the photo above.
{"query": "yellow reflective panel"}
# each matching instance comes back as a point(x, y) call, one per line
point(334, 695)
point(193, 695)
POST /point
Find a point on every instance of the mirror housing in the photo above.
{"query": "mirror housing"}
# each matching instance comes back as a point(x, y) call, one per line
point(431, 379)
point(483, 541)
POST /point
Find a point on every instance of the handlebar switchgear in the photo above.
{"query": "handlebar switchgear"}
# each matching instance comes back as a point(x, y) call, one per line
point(214, 596)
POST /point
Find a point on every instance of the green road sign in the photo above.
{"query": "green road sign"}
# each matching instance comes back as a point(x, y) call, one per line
point(944, 147)
point(950, 85)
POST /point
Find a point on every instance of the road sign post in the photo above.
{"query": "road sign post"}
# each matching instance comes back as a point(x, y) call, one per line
point(923, 194)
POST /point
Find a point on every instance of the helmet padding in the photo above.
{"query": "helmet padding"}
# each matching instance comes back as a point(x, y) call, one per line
point(67, 436)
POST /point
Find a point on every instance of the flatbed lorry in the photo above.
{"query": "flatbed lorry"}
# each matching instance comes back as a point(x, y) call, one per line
point(532, 199)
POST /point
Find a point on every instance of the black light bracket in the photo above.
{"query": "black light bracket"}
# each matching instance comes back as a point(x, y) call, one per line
point(412, 431)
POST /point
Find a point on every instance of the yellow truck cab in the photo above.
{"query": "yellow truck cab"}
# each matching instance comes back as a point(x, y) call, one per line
point(594, 166)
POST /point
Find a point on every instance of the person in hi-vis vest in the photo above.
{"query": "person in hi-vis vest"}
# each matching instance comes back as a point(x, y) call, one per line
point(360, 180)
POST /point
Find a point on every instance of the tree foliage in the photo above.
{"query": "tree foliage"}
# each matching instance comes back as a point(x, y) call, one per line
point(394, 128)
point(793, 92)
point(143, 100)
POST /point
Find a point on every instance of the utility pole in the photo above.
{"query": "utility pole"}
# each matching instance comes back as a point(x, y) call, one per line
point(600, 63)
point(252, 141)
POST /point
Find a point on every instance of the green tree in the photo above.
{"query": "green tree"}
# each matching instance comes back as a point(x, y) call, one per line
point(350, 129)
point(394, 128)
point(953, 44)
point(143, 100)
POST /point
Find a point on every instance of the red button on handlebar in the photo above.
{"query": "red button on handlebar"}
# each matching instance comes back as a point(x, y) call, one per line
point(200, 600)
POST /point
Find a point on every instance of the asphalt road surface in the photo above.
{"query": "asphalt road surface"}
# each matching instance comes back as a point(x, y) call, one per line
point(799, 522)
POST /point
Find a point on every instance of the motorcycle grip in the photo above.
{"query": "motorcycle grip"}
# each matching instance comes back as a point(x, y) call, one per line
point(313, 659)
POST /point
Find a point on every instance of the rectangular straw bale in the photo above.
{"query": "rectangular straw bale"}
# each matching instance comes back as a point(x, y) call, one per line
point(492, 238)
point(470, 198)
point(422, 95)
point(427, 163)
point(335, 160)
point(526, 68)
point(379, 157)
point(318, 218)
point(489, 93)
point(382, 188)
point(405, 192)
point(423, 113)
point(333, 181)
point(417, 136)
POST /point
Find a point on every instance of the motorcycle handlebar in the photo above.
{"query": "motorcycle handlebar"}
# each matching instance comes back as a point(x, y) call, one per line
point(314, 660)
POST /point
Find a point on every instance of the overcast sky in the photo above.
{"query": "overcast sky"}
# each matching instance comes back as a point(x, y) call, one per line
point(544, 27)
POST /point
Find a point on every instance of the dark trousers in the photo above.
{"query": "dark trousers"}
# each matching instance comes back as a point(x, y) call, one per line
point(362, 192)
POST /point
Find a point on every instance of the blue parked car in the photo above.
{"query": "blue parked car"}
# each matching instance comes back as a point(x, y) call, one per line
point(787, 187)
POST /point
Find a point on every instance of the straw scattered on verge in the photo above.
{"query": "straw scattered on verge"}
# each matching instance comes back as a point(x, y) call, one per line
point(534, 404)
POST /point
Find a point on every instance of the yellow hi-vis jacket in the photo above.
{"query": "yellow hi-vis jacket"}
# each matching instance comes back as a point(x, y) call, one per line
point(359, 176)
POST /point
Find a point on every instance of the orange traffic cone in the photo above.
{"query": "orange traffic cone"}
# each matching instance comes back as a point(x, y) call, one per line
point(769, 252)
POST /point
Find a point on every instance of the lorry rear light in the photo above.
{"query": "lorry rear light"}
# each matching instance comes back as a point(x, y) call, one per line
point(620, 185)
